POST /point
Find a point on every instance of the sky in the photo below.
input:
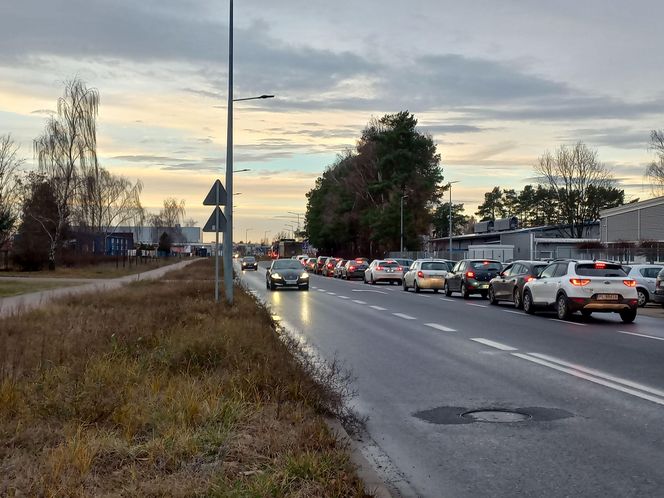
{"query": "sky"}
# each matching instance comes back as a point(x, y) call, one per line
point(495, 83)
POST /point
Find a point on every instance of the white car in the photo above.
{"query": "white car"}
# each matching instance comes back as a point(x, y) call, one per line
point(427, 274)
point(646, 278)
point(586, 286)
point(383, 270)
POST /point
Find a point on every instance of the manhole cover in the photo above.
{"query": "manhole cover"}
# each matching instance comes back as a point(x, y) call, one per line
point(496, 415)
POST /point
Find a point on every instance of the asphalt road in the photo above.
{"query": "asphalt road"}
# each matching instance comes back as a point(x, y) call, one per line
point(591, 390)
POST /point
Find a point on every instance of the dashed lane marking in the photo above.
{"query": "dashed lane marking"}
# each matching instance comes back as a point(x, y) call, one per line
point(440, 327)
point(493, 344)
point(447, 299)
point(568, 322)
point(478, 305)
point(332, 293)
point(343, 297)
point(642, 335)
point(357, 301)
point(404, 316)
point(378, 308)
point(514, 312)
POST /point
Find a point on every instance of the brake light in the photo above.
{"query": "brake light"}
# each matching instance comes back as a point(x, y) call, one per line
point(420, 274)
point(579, 282)
point(470, 274)
point(530, 278)
point(398, 268)
point(630, 283)
point(379, 268)
point(600, 265)
point(329, 265)
point(352, 268)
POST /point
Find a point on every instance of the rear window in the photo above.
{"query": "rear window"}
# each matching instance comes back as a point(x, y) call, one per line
point(486, 265)
point(650, 272)
point(435, 266)
point(389, 264)
point(600, 270)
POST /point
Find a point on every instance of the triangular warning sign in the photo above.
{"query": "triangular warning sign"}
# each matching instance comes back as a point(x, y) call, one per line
point(211, 198)
point(210, 226)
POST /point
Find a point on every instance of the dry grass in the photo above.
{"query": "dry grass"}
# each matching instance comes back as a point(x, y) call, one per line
point(154, 391)
point(16, 287)
point(107, 269)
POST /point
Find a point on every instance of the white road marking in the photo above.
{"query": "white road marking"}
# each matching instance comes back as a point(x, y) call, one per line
point(493, 344)
point(440, 327)
point(478, 305)
point(575, 371)
point(642, 335)
point(404, 316)
point(367, 290)
point(314, 288)
point(343, 297)
point(448, 299)
point(359, 302)
point(514, 312)
point(332, 293)
point(321, 290)
point(378, 308)
point(571, 323)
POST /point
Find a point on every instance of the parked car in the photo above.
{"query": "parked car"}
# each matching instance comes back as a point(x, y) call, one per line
point(249, 263)
point(311, 265)
point(328, 267)
point(472, 276)
point(508, 285)
point(286, 273)
point(383, 270)
point(354, 268)
point(405, 263)
point(646, 277)
point(320, 262)
point(337, 269)
point(658, 296)
point(426, 274)
point(586, 286)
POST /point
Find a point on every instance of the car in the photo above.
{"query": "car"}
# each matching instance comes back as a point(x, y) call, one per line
point(310, 265)
point(354, 268)
point(472, 276)
point(328, 267)
point(646, 277)
point(426, 274)
point(320, 262)
point(337, 269)
point(249, 263)
point(286, 273)
point(569, 286)
point(508, 285)
point(383, 270)
point(302, 258)
point(404, 263)
point(658, 296)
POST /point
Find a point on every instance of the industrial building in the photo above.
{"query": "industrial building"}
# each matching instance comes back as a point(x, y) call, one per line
point(635, 222)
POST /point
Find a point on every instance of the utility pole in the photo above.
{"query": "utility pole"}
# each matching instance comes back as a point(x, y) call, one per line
point(402, 198)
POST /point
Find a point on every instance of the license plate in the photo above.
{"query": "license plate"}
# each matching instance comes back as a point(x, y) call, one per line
point(291, 281)
point(607, 297)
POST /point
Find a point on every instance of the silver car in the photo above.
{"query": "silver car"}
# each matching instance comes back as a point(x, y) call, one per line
point(645, 276)
point(383, 270)
point(427, 274)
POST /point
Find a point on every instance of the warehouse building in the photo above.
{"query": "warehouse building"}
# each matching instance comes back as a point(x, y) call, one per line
point(635, 223)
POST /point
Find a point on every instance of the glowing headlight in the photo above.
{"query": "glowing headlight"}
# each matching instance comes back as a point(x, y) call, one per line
point(276, 275)
point(305, 275)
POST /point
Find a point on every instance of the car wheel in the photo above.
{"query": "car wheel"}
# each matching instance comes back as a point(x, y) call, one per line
point(447, 290)
point(435, 291)
point(267, 285)
point(405, 287)
point(643, 297)
point(417, 287)
point(562, 308)
point(464, 291)
point(628, 316)
point(516, 297)
point(492, 296)
point(373, 282)
point(528, 305)
point(484, 295)
point(304, 288)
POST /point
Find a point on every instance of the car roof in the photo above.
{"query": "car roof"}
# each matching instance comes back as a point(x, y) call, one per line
point(434, 260)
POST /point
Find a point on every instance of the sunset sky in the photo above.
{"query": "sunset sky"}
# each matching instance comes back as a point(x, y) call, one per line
point(496, 83)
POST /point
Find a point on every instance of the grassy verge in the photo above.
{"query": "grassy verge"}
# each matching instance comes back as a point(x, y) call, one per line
point(154, 391)
point(14, 288)
point(100, 270)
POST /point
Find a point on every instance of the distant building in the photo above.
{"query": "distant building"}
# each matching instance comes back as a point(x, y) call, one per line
point(150, 235)
point(635, 222)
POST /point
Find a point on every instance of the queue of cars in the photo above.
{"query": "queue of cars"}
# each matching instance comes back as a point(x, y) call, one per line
point(564, 286)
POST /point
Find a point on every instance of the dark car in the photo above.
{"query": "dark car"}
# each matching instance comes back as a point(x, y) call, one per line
point(338, 267)
point(472, 276)
point(354, 268)
point(249, 263)
point(508, 285)
point(328, 267)
point(286, 273)
point(310, 265)
point(658, 296)
point(320, 262)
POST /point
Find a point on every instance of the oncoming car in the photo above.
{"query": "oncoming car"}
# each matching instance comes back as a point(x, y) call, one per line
point(286, 273)
point(586, 286)
point(249, 263)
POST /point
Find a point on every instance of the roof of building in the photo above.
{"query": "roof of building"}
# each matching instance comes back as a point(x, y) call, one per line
point(634, 206)
point(504, 232)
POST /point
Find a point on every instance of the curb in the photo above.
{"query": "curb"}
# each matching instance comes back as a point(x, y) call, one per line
point(373, 484)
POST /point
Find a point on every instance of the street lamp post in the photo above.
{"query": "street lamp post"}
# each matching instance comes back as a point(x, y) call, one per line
point(450, 221)
point(402, 198)
point(228, 234)
point(246, 235)
point(298, 218)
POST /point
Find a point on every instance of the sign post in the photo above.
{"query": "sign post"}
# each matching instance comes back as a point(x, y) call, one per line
point(216, 223)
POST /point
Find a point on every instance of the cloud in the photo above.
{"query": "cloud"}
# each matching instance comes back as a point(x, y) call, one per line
point(443, 129)
point(621, 137)
point(44, 112)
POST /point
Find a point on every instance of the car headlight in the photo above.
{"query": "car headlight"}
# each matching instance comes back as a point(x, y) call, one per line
point(276, 275)
point(304, 275)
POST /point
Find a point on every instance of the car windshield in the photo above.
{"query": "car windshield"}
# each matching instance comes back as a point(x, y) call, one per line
point(249, 259)
point(486, 265)
point(537, 269)
point(600, 270)
point(435, 265)
point(286, 264)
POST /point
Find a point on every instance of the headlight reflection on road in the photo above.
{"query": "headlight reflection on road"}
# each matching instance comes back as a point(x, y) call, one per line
point(304, 308)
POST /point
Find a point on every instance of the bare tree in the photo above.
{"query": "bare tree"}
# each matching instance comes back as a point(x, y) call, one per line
point(67, 147)
point(169, 219)
point(9, 191)
point(574, 173)
point(655, 170)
